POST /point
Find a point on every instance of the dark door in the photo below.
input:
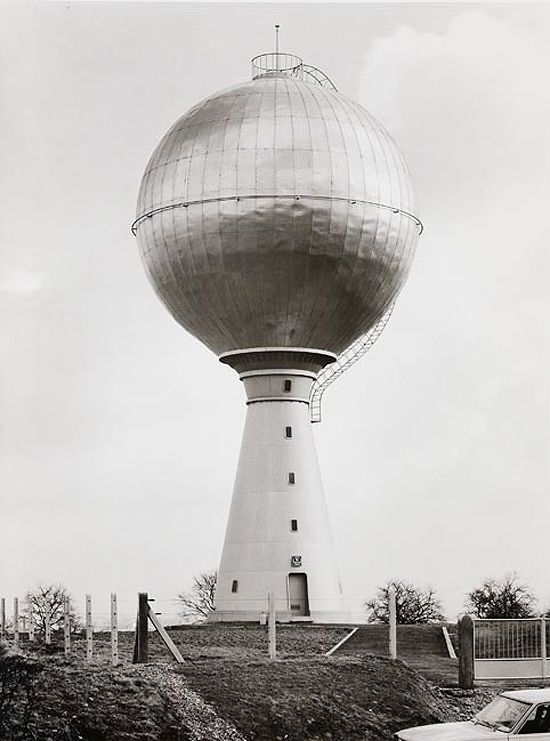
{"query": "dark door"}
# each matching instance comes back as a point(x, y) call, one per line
point(299, 603)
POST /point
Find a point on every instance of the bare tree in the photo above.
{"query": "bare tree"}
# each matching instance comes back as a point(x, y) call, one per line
point(413, 605)
point(198, 602)
point(49, 600)
point(504, 598)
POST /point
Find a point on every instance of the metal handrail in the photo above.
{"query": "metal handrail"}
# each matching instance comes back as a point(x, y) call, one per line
point(318, 75)
point(345, 360)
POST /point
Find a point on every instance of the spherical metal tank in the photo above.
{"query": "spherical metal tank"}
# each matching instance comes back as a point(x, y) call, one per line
point(277, 213)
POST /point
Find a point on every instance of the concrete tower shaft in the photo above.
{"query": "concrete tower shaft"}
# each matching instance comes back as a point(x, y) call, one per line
point(278, 536)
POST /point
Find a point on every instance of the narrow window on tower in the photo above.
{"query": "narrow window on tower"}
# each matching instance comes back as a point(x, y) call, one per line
point(294, 526)
point(235, 586)
point(291, 477)
point(288, 385)
point(288, 431)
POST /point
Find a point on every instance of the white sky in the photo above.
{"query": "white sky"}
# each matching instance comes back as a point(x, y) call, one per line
point(120, 433)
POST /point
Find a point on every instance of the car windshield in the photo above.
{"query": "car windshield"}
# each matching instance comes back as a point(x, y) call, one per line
point(502, 713)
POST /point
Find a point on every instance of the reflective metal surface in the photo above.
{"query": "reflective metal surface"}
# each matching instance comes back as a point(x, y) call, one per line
point(277, 213)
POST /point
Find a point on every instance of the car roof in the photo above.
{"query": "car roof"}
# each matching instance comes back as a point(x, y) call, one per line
point(529, 695)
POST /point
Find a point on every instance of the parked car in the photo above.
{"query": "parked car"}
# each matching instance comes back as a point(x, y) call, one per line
point(510, 714)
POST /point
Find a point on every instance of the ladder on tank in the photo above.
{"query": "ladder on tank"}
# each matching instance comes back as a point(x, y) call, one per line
point(344, 361)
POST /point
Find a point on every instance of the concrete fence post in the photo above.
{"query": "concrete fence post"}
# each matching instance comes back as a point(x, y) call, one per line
point(114, 629)
point(15, 620)
point(271, 628)
point(89, 629)
point(48, 625)
point(30, 615)
point(66, 625)
point(543, 649)
point(392, 609)
point(466, 669)
point(3, 618)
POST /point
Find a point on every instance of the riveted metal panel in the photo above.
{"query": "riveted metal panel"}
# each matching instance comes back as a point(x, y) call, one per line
point(277, 213)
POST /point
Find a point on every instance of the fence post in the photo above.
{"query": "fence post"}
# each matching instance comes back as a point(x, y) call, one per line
point(393, 622)
point(66, 625)
point(466, 672)
point(543, 649)
point(114, 629)
point(142, 635)
point(89, 629)
point(30, 615)
point(15, 620)
point(48, 625)
point(271, 629)
point(3, 618)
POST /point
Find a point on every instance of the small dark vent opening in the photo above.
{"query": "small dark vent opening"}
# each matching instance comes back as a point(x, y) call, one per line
point(294, 526)
point(291, 477)
point(288, 431)
point(235, 586)
point(288, 385)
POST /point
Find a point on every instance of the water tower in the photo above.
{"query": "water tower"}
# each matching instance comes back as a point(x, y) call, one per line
point(276, 223)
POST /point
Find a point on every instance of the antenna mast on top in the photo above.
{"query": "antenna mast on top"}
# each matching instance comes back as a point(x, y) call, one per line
point(277, 46)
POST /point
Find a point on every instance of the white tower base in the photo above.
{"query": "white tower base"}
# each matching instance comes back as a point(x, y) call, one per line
point(278, 535)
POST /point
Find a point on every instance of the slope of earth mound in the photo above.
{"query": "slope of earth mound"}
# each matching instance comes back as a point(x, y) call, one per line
point(345, 699)
point(51, 698)
point(227, 690)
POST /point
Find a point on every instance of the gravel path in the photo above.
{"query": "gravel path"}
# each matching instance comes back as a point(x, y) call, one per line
point(200, 718)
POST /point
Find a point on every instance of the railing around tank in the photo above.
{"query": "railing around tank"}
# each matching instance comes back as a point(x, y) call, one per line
point(274, 61)
point(288, 64)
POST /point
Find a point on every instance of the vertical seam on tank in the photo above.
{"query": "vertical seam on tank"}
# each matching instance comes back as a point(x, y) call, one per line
point(392, 147)
point(289, 255)
point(218, 204)
point(387, 263)
point(169, 271)
point(223, 150)
point(369, 130)
point(327, 97)
point(235, 341)
point(240, 254)
point(406, 186)
point(370, 253)
point(244, 292)
point(342, 109)
point(349, 108)
point(262, 95)
point(179, 297)
point(339, 310)
point(308, 295)
point(307, 254)
point(250, 96)
point(163, 146)
point(312, 325)
point(214, 320)
point(275, 86)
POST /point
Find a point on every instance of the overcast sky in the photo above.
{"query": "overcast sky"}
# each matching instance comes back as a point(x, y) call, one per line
point(120, 432)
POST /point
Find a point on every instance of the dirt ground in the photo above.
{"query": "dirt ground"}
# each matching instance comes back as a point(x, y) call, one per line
point(228, 690)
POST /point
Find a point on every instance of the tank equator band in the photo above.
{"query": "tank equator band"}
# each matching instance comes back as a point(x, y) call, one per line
point(295, 197)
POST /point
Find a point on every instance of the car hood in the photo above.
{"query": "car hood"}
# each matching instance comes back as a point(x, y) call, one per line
point(450, 732)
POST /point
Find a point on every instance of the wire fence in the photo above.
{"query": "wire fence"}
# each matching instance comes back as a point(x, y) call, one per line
point(170, 610)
